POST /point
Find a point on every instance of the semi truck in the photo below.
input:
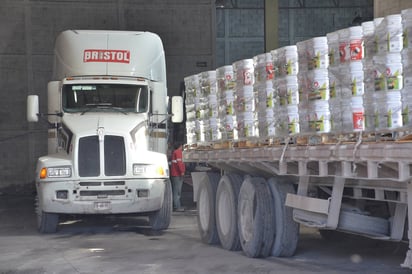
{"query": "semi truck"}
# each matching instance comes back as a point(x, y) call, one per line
point(107, 119)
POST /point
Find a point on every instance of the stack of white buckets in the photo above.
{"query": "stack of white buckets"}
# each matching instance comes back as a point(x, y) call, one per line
point(266, 97)
point(389, 73)
point(407, 67)
point(245, 99)
point(226, 96)
point(192, 104)
point(286, 89)
point(350, 80)
point(314, 111)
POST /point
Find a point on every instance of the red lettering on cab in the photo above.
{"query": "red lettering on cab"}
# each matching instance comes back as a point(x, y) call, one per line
point(106, 55)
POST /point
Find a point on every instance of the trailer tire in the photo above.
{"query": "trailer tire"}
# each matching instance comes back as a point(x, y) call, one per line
point(206, 201)
point(286, 229)
point(227, 195)
point(255, 222)
point(160, 220)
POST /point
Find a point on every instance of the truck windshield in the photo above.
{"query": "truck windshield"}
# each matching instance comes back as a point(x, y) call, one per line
point(105, 97)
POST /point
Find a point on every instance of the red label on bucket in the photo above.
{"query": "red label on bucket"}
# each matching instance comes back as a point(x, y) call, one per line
point(342, 52)
point(356, 49)
point(358, 120)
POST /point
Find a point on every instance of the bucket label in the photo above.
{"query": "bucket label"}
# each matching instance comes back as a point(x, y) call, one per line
point(358, 120)
point(343, 52)
point(356, 49)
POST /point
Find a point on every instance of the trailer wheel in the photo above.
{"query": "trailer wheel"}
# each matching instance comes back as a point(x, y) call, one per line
point(46, 222)
point(226, 211)
point(160, 220)
point(286, 229)
point(255, 222)
point(206, 201)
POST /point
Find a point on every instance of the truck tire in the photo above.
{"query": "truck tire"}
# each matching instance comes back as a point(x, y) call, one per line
point(206, 201)
point(226, 211)
point(286, 229)
point(46, 222)
point(160, 220)
point(255, 222)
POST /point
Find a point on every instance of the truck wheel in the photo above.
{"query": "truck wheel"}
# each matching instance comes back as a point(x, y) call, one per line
point(46, 222)
point(226, 211)
point(160, 220)
point(206, 201)
point(286, 230)
point(255, 222)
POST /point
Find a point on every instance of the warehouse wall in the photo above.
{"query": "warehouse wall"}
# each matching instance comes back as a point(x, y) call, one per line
point(384, 7)
point(27, 32)
point(300, 20)
point(240, 25)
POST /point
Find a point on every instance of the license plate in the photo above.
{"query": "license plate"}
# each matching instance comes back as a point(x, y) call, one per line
point(102, 205)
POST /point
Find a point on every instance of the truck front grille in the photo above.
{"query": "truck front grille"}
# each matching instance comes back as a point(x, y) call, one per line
point(103, 193)
point(89, 156)
point(114, 156)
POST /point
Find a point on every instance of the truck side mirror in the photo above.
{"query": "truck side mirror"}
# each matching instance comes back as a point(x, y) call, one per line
point(32, 108)
point(177, 109)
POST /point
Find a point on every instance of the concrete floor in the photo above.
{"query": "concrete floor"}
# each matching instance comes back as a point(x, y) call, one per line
point(126, 245)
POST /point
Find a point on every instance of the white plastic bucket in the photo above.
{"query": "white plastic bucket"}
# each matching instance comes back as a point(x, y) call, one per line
point(291, 64)
point(293, 120)
point(356, 43)
point(358, 113)
point(407, 110)
point(394, 71)
point(394, 38)
point(319, 117)
point(229, 131)
point(333, 48)
point(263, 67)
point(214, 125)
point(319, 89)
point(244, 71)
point(356, 73)
point(389, 106)
point(225, 78)
point(292, 94)
point(344, 50)
point(267, 128)
point(335, 115)
point(246, 125)
point(318, 57)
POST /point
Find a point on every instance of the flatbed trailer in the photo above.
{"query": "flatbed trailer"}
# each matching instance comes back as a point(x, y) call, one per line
point(257, 196)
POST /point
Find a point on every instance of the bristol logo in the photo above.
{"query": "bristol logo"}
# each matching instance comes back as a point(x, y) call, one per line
point(103, 55)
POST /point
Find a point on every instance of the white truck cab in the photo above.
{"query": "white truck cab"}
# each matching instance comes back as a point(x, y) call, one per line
point(107, 139)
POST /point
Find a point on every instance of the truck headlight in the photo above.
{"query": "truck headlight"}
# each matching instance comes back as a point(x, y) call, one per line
point(149, 170)
point(56, 172)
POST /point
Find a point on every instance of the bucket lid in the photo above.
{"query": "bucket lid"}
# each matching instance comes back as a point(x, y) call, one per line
point(332, 36)
point(355, 31)
point(319, 41)
point(224, 69)
point(209, 74)
point(368, 27)
point(263, 58)
point(243, 63)
point(377, 21)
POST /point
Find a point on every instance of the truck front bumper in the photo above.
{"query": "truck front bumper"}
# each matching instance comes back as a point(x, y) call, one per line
point(101, 197)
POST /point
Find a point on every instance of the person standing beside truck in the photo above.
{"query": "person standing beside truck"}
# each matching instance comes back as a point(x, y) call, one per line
point(177, 172)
